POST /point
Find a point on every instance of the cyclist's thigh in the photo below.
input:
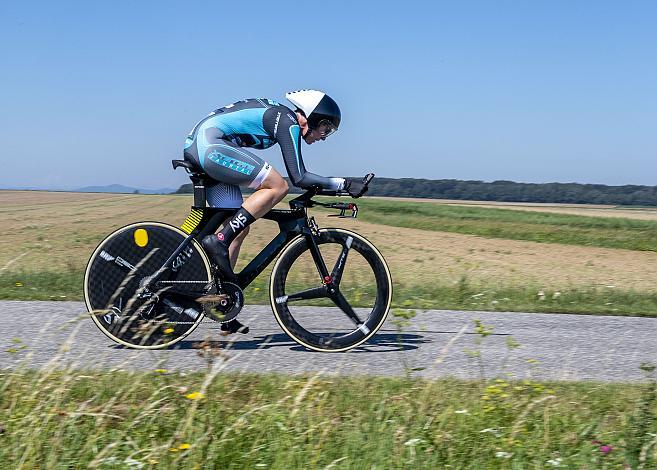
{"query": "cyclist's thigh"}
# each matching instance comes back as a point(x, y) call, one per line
point(224, 161)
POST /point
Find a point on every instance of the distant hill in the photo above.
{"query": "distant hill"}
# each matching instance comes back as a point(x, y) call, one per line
point(507, 191)
point(119, 188)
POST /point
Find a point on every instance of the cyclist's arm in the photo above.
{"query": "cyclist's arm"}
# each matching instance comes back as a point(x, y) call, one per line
point(287, 132)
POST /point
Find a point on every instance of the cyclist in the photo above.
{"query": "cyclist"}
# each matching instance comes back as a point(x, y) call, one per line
point(216, 144)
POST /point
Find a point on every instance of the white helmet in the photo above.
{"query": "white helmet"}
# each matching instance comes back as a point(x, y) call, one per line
point(318, 107)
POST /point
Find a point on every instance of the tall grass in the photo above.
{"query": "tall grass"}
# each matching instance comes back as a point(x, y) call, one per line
point(67, 418)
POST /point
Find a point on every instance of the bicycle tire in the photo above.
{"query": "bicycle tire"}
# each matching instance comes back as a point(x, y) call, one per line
point(110, 286)
point(331, 342)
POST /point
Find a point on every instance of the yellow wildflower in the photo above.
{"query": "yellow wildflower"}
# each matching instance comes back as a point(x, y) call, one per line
point(195, 396)
point(168, 331)
point(184, 446)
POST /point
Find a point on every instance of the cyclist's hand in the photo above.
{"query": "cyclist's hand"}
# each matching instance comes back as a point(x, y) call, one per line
point(355, 188)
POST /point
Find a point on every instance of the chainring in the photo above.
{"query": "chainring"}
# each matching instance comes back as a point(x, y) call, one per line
point(227, 309)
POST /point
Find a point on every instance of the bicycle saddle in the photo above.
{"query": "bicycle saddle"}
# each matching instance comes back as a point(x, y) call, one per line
point(184, 164)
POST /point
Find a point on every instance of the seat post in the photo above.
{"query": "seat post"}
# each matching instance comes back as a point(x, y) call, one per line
point(199, 191)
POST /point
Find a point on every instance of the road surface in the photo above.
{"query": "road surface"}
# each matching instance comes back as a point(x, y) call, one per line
point(436, 343)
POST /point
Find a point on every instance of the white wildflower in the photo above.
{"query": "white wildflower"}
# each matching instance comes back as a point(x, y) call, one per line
point(503, 455)
point(133, 463)
point(555, 462)
point(412, 442)
point(461, 412)
point(493, 431)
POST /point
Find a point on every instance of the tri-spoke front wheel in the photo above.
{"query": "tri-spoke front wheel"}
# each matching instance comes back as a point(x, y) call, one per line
point(337, 312)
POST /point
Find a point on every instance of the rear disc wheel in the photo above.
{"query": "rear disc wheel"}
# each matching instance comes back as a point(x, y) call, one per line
point(114, 286)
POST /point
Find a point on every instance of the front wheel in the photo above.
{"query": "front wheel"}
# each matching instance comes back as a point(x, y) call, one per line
point(355, 298)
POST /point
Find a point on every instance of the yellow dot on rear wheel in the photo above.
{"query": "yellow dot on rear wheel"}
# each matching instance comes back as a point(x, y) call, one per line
point(141, 237)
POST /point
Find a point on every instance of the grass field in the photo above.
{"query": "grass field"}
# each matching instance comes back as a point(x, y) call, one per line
point(66, 418)
point(441, 255)
point(547, 227)
point(82, 419)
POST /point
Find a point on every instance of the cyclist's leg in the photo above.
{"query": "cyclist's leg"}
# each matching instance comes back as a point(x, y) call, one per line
point(270, 192)
point(224, 161)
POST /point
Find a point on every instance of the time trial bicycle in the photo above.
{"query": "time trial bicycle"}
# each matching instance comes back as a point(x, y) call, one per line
point(148, 285)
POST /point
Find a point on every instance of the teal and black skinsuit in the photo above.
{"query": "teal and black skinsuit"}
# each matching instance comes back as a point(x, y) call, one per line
point(217, 144)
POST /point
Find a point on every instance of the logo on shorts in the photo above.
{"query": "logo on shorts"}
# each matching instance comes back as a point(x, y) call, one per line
point(220, 236)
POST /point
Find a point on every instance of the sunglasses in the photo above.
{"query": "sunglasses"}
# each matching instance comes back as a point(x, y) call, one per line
point(325, 128)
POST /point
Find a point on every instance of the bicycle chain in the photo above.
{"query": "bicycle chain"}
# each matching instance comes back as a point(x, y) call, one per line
point(183, 282)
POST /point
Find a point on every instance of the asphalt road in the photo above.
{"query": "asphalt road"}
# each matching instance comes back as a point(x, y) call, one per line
point(434, 344)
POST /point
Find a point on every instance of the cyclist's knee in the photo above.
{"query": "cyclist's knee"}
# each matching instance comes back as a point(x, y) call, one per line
point(276, 183)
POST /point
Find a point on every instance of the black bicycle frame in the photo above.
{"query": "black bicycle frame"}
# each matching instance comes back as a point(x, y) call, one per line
point(294, 222)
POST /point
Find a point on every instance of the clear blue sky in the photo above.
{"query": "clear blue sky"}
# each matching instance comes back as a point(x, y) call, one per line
point(105, 92)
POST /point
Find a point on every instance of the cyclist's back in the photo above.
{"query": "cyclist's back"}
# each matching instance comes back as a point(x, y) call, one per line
point(217, 144)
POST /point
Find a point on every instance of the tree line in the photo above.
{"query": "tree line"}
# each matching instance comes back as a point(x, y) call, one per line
point(507, 191)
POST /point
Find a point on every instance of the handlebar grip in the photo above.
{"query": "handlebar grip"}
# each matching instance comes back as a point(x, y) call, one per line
point(368, 177)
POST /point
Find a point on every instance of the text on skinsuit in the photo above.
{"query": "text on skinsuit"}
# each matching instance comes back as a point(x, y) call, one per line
point(278, 118)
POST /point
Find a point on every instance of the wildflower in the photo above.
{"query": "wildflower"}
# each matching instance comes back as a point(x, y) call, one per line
point(556, 295)
point(194, 396)
point(19, 284)
point(133, 463)
point(184, 446)
point(168, 331)
point(555, 462)
point(161, 371)
point(493, 431)
point(412, 442)
point(256, 289)
point(461, 412)
point(173, 449)
point(606, 449)
point(503, 455)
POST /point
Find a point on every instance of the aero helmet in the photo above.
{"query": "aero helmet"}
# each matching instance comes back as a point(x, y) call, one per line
point(318, 107)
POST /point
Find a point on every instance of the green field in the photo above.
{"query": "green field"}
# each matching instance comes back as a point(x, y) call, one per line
point(83, 419)
point(441, 255)
point(610, 232)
